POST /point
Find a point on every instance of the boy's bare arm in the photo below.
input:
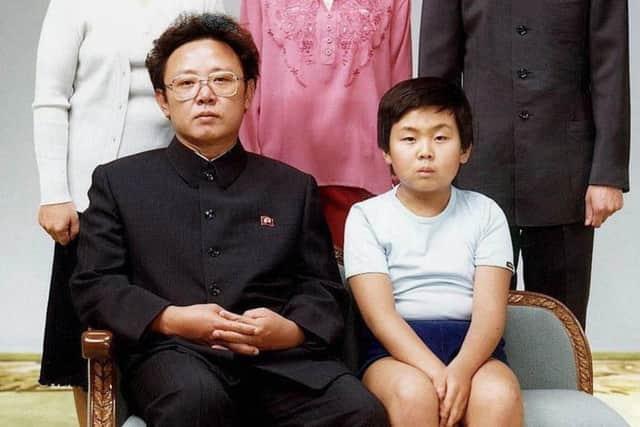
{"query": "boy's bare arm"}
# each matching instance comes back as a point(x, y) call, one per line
point(490, 291)
point(374, 296)
point(488, 315)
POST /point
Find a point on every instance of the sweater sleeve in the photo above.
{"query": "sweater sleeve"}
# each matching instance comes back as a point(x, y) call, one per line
point(57, 59)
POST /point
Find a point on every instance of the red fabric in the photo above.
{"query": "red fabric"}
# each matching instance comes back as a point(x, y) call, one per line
point(336, 202)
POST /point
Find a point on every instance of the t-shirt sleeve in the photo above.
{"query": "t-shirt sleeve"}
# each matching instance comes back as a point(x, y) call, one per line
point(363, 253)
point(494, 247)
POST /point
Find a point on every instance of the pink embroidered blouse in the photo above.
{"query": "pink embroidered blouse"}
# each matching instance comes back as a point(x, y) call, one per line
point(323, 72)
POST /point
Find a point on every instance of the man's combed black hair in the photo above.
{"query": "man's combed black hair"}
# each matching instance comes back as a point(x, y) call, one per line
point(424, 92)
point(188, 28)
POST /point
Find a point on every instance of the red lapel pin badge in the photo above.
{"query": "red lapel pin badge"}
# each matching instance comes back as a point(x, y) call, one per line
point(267, 221)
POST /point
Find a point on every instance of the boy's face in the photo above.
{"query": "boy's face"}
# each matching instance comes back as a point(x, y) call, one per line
point(425, 151)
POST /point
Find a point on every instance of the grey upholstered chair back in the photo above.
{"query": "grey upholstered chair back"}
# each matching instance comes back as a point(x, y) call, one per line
point(539, 349)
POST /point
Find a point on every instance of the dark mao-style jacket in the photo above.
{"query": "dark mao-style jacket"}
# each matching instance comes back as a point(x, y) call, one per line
point(242, 231)
point(548, 83)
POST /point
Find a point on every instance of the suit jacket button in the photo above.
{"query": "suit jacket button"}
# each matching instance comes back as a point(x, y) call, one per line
point(523, 73)
point(213, 252)
point(209, 176)
point(214, 290)
point(209, 214)
point(522, 30)
point(524, 115)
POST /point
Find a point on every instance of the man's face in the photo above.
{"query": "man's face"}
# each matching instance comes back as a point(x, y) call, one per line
point(425, 151)
point(207, 119)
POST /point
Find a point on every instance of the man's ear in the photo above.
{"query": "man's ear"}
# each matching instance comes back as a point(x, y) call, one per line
point(249, 92)
point(161, 99)
point(464, 157)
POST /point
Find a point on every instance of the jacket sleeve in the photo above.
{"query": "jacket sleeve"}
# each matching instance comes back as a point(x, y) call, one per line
point(609, 63)
point(320, 303)
point(61, 36)
point(100, 288)
point(251, 19)
point(441, 40)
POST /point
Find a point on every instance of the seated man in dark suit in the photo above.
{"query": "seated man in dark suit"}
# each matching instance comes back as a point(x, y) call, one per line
point(213, 266)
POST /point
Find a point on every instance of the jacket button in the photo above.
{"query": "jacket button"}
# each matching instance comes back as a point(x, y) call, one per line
point(523, 73)
point(214, 290)
point(213, 252)
point(524, 115)
point(522, 30)
point(209, 176)
point(209, 214)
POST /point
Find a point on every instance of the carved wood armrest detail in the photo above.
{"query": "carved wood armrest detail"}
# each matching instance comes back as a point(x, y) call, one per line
point(579, 343)
point(97, 347)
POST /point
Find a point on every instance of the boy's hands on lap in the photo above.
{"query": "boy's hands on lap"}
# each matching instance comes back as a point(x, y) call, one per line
point(453, 389)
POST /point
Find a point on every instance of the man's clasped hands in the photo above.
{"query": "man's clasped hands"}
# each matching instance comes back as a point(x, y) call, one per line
point(249, 333)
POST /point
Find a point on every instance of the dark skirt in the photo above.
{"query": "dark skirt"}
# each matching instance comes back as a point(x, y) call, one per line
point(443, 337)
point(62, 362)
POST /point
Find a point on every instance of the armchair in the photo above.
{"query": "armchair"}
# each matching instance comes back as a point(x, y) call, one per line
point(546, 347)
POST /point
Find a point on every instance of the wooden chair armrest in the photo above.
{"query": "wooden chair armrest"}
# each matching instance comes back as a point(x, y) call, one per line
point(97, 344)
point(97, 347)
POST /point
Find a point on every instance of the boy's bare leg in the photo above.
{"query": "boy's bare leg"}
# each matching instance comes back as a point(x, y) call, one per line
point(495, 398)
point(407, 393)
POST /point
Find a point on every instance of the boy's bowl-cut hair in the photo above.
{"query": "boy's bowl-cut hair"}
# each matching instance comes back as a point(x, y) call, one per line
point(424, 92)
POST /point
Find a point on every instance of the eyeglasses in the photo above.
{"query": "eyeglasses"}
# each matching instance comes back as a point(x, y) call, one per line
point(221, 83)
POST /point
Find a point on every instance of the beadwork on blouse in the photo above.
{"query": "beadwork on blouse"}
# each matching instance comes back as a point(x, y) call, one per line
point(346, 35)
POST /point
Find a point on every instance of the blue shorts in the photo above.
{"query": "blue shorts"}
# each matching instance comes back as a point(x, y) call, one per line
point(443, 337)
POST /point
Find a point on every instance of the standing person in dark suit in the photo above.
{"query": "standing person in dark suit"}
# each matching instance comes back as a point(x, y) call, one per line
point(548, 83)
point(213, 266)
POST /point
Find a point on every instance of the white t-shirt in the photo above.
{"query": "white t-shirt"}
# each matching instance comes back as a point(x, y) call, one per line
point(430, 260)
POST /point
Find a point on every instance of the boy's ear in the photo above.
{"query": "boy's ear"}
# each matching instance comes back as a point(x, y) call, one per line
point(386, 157)
point(161, 99)
point(464, 157)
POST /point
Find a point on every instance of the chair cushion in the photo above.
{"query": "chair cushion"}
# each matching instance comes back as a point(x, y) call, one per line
point(567, 408)
point(543, 408)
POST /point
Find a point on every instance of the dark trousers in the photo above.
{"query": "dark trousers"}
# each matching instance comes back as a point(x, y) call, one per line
point(556, 262)
point(176, 388)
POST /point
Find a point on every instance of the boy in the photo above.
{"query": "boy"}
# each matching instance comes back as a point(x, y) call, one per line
point(423, 260)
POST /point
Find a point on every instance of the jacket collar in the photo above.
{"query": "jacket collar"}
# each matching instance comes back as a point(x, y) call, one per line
point(194, 169)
